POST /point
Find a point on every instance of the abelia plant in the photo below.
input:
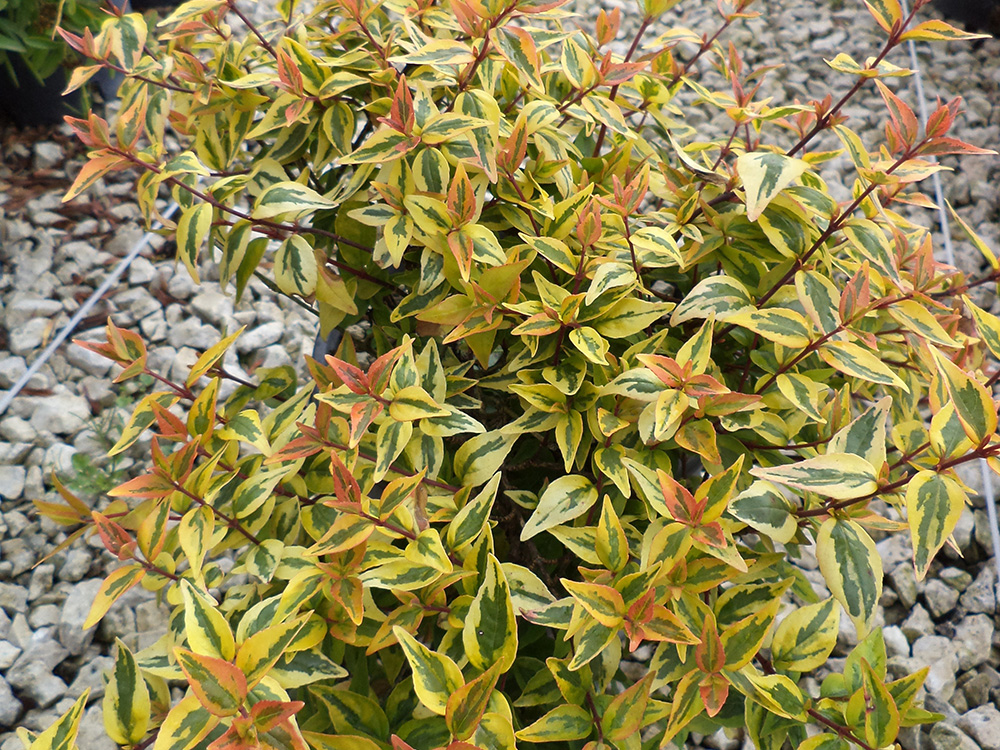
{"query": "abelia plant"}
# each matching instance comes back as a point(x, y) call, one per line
point(616, 375)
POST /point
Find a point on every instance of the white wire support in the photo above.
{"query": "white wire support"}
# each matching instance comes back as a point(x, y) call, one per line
point(86, 307)
point(949, 253)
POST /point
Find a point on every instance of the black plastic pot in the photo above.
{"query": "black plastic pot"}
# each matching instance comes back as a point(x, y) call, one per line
point(975, 15)
point(28, 101)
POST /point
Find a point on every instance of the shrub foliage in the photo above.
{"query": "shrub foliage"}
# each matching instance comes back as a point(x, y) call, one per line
point(615, 375)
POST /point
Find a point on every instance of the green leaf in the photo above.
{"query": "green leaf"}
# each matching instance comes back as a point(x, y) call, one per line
point(290, 199)
point(467, 704)
point(382, 146)
point(126, 704)
point(590, 641)
point(590, 343)
point(206, 629)
point(842, 476)
point(192, 231)
point(220, 686)
point(435, 676)
point(865, 435)
point(987, 325)
point(972, 401)
point(742, 640)
point(852, 569)
point(763, 507)
point(186, 724)
point(518, 47)
point(113, 588)
point(852, 360)
point(471, 520)
point(561, 724)
point(479, 458)
point(295, 269)
point(628, 317)
point(62, 734)
point(934, 503)
point(413, 403)
point(785, 327)
point(437, 52)
point(868, 239)
point(612, 544)
point(563, 500)
point(917, 318)
point(804, 640)
point(490, 632)
point(721, 296)
point(764, 175)
point(390, 440)
point(804, 393)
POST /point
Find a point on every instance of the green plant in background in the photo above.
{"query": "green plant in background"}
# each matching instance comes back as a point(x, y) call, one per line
point(28, 29)
point(617, 374)
point(95, 479)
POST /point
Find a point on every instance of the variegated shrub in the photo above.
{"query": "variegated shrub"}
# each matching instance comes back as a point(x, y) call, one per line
point(617, 374)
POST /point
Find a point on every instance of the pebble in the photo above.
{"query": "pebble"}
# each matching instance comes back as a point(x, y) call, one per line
point(141, 272)
point(47, 155)
point(946, 736)
point(895, 641)
point(91, 677)
point(11, 482)
point(980, 596)
point(11, 370)
point(61, 413)
point(76, 565)
point(212, 306)
point(940, 598)
point(74, 613)
point(957, 578)
point(90, 362)
point(938, 653)
point(973, 638)
point(8, 655)
point(13, 598)
point(260, 337)
point(918, 624)
point(10, 706)
point(30, 336)
point(983, 725)
point(31, 675)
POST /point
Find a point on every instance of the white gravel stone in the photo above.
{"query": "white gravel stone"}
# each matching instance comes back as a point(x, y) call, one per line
point(11, 482)
point(946, 736)
point(980, 596)
point(938, 653)
point(32, 675)
point(62, 413)
point(983, 725)
point(28, 337)
point(212, 306)
point(895, 642)
point(973, 639)
point(260, 337)
point(192, 333)
point(8, 655)
point(90, 362)
point(11, 369)
point(141, 271)
point(47, 155)
point(940, 597)
point(16, 430)
point(74, 613)
point(10, 706)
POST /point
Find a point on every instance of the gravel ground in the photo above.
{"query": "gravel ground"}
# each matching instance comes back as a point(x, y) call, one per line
point(52, 255)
